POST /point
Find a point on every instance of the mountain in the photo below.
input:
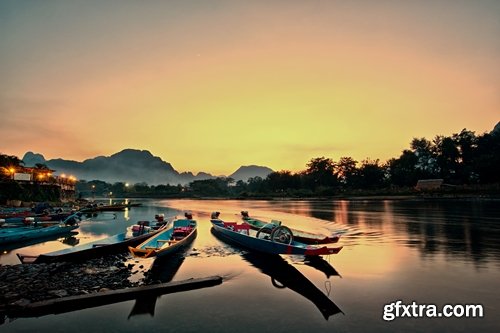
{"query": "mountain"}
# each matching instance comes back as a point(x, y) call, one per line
point(129, 165)
point(496, 129)
point(30, 159)
point(133, 166)
point(249, 171)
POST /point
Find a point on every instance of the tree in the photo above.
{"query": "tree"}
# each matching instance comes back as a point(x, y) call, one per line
point(487, 162)
point(211, 187)
point(426, 162)
point(403, 170)
point(8, 165)
point(256, 185)
point(466, 142)
point(371, 174)
point(447, 156)
point(320, 172)
point(346, 171)
point(279, 181)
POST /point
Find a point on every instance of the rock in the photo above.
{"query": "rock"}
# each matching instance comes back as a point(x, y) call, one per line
point(21, 302)
point(38, 282)
point(59, 293)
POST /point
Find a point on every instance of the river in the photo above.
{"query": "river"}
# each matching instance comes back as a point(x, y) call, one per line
point(432, 252)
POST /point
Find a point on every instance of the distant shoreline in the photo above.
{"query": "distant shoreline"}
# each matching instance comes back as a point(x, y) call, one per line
point(434, 196)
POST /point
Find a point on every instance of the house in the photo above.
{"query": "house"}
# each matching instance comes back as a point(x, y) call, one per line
point(429, 184)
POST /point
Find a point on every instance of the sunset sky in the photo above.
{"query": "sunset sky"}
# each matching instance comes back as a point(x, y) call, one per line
point(211, 85)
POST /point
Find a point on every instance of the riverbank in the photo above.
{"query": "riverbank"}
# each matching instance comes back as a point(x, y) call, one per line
point(24, 284)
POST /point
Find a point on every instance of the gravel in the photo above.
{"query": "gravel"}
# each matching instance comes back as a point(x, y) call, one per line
point(24, 284)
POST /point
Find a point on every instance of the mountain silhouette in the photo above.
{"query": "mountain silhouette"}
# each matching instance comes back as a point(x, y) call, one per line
point(249, 171)
point(132, 166)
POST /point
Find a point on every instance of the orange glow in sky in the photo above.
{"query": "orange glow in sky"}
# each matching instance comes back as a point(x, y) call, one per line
point(212, 85)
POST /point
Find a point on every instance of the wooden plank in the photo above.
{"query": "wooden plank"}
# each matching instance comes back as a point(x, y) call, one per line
point(74, 303)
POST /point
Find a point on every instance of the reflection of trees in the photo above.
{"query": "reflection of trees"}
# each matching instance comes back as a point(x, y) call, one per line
point(456, 228)
point(323, 210)
point(464, 228)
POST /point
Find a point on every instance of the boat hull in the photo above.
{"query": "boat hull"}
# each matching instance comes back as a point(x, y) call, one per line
point(29, 233)
point(300, 235)
point(263, 245)
point(111, 245)
point(166, 242)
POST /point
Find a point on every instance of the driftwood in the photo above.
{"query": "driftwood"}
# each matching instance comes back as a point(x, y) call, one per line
point(74, 303)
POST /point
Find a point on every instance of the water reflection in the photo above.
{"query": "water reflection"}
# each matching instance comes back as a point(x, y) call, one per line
point(65, 239)
point(321, 265)
point(463, 229)
point(284, 275)
point(163, 270)
point(466, 229)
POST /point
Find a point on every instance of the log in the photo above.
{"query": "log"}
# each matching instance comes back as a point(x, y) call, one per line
point(74, 303)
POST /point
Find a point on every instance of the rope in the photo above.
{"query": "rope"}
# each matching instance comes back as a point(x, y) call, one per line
point(328, 287)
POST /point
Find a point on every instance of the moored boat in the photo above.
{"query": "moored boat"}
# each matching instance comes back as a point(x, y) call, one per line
point(94, 208)
point(280, 241)
point(300, 235)
point(110, 245)
point(22, 234)
point(180, 233)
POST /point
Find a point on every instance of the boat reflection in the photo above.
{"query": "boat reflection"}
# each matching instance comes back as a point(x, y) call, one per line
point(284, 275)
point(163, 270)
point(321, 265)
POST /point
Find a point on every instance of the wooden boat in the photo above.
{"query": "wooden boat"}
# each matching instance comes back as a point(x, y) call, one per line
point(132, 204)
point(300, 235)
point(146, 226)
point(35, 218)
point(110, 245)
point(22, 234)
point(280, 241)
point(103, 208)
point(181, 233)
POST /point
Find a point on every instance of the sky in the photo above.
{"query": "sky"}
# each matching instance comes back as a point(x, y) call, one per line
point(212, 85)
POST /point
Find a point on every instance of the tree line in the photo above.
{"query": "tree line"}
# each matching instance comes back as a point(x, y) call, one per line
point(460, 159)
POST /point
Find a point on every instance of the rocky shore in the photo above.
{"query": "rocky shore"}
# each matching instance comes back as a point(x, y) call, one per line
point(24, 284)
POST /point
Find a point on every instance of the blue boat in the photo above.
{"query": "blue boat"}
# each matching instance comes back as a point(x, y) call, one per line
point(22, 234)
point(279, 241)
point(110, 245)
point(180, 233)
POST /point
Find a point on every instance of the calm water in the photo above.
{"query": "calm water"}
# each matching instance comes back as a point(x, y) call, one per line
point(425, 251)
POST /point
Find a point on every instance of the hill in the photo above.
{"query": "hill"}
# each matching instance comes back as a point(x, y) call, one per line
point(133, 166)
point(249, 171)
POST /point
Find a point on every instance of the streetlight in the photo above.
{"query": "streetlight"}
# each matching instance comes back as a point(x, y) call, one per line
point(12, 172)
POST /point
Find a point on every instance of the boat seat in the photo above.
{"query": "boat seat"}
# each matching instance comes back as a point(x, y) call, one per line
point(151, 248)
point(162, 241)
point(242, 229)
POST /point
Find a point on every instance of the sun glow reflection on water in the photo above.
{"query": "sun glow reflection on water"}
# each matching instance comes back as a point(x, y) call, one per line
point(430, 252)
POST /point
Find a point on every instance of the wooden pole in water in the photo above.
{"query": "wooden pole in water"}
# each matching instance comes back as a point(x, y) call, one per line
point(74, 303)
